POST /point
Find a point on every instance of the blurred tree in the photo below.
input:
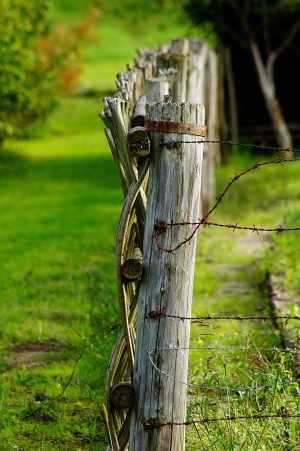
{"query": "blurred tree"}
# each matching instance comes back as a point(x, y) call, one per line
point(25, 90)
point(36, 62)
point(263, 28)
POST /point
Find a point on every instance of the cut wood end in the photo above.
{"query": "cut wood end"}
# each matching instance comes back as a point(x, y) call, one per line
point(138, 143)
point(132, 269)
point(121, 395)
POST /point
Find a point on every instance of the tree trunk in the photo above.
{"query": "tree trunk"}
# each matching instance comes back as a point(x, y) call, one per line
point(167, 283)
point(267, 85)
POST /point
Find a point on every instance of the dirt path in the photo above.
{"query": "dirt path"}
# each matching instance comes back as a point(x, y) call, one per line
point(239, 279)
point(227, 283)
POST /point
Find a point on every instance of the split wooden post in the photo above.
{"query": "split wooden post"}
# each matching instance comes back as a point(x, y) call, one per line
point(197, 59)
point(156, 89)
point(167, 283)
point(211, 150)
point(167, 61)
point(233, 116)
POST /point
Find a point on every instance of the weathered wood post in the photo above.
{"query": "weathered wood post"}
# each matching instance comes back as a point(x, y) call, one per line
point(233, 115)
point(179, 64)
point(167, 280)
point(211, 151)
point(197, 75)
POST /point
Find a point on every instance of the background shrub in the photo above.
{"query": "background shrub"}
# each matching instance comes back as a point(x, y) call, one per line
point(37, 62)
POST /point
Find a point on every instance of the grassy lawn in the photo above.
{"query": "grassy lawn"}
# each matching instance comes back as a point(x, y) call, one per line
point(60, 202)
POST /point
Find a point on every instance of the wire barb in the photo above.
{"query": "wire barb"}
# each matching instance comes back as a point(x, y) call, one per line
point(156, 425)
point(231, 143)
point(161, 226)
point(163, 313)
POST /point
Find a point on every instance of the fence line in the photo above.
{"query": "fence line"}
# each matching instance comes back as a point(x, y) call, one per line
point(120, 114)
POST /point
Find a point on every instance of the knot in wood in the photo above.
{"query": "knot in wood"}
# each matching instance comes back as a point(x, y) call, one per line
point(138, 142)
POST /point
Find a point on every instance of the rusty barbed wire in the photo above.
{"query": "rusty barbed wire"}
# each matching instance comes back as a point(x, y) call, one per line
point(157, 425)
point(163, 314)
point(161, 226)
point(174, 144)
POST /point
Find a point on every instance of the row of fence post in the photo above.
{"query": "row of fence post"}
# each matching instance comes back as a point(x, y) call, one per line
point(169, 85)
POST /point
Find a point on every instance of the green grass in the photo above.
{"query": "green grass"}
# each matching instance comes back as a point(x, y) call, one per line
point(102, 60)
point(255, 198)
point(60, 200)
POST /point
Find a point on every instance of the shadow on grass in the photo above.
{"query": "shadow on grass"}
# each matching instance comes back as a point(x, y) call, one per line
point(90, 168)
point(12, 164)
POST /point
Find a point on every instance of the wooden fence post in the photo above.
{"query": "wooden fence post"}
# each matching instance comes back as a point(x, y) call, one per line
point(233, 116)
point(167, 283)
point(178, 62)
point(197, 75)
point(156, 89)
point(211, 151)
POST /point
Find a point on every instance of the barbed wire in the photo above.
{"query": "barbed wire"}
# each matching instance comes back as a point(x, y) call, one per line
point(227, 389)
point(157, 425)
point(161, 226)
point(163, 314)
point(220, 348)
point(174, 144)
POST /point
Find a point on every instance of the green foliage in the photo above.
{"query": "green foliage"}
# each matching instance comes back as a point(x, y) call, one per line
point(36, 62)
point(25, 89)
point(292, 5)
point(228, 18)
